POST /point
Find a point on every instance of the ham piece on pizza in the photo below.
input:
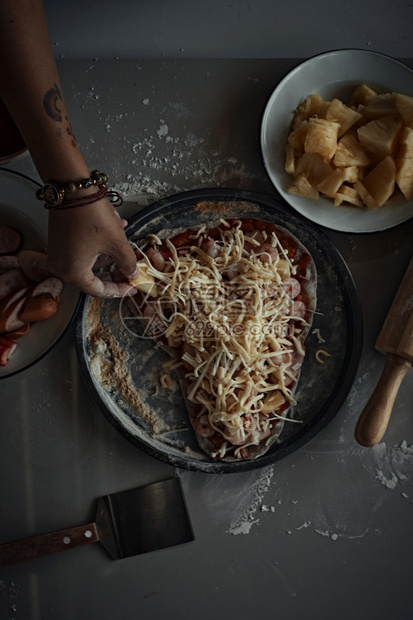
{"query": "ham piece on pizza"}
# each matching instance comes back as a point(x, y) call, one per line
point(233, 302)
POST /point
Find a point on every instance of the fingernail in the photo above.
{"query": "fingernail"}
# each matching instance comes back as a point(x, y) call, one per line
point(133, 275)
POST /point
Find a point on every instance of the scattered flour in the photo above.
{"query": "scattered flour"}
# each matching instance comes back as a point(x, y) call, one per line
point(392, 463)
point(10, 591)
point(250, 502)
point(242, 500)
point(180, 165)
point(163, 130)
point(233, 499)
point(328, 534)
point(164, 163)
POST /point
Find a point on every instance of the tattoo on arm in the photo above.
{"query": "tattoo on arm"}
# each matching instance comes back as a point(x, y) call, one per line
point(51, 103)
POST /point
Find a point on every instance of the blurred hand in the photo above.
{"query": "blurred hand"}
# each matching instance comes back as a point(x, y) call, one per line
point(84, 238)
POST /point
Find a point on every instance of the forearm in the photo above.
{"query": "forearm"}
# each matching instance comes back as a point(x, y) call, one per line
point(31, 89)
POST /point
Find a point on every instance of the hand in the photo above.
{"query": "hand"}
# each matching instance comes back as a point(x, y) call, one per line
point(79, 236)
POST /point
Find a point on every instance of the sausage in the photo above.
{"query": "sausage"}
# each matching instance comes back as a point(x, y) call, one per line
point(42, 301)
point(292, 287)
point(34, 265)
point(10, 318)
point(12, 297)
point(38, 308)
point(8, 262)
point(11, 281)
point(17, 333)
point(53, 286)
point(11, 239)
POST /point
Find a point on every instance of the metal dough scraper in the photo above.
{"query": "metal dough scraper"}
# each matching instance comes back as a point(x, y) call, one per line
point(128, 523)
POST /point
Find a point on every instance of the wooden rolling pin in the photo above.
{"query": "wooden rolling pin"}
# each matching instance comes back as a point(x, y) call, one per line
point(396, 342)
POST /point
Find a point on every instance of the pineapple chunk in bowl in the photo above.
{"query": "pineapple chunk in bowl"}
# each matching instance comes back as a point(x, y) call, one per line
point(333, 76)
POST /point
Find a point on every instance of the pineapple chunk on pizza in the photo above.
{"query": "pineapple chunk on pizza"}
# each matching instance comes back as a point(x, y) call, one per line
point(380, 182)
point(144, 281)
point(380, 137)
point(341, 114)
point(283, 268)
point(404, 163)
point(350, 153)
point(321, 138)
point(404, 105)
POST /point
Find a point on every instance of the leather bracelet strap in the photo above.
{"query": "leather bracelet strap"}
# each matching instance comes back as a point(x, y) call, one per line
point(114, 197)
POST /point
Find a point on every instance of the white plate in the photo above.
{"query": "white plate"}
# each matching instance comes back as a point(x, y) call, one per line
point(333, 74)
point(20, 208)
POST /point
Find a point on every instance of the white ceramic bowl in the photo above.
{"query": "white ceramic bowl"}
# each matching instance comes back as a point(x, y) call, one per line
point(332, 74)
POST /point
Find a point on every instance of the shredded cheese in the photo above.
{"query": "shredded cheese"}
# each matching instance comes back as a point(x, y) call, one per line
point(321, 353)
point(166, 381)
point(225, 300)
point(317, 333)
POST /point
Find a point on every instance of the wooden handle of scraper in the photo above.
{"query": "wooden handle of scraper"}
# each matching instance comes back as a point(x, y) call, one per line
point(374, 419)
point(46, 544)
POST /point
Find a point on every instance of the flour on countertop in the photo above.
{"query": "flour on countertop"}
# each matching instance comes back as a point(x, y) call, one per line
point(250, 501)
point(233, 499)
point(12, 591)
point(163, 162)
point(184, 172)
point(340, 517)
point(163, 130)
point(392, 463)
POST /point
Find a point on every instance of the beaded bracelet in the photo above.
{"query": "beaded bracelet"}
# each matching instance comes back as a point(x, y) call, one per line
point(54, 194)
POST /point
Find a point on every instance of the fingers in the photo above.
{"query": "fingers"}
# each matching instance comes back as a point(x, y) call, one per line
point(102, 261)
point(87, 239)
point(103, 286)
point(125, 259)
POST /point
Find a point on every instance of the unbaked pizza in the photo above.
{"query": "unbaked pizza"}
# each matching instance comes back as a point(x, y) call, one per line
point(232, 301)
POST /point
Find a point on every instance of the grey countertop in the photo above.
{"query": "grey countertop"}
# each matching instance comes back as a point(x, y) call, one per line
point(185, 29)
point(325, 533)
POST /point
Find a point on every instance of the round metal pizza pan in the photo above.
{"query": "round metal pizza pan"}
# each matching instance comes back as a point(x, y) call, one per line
point(166, 434)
